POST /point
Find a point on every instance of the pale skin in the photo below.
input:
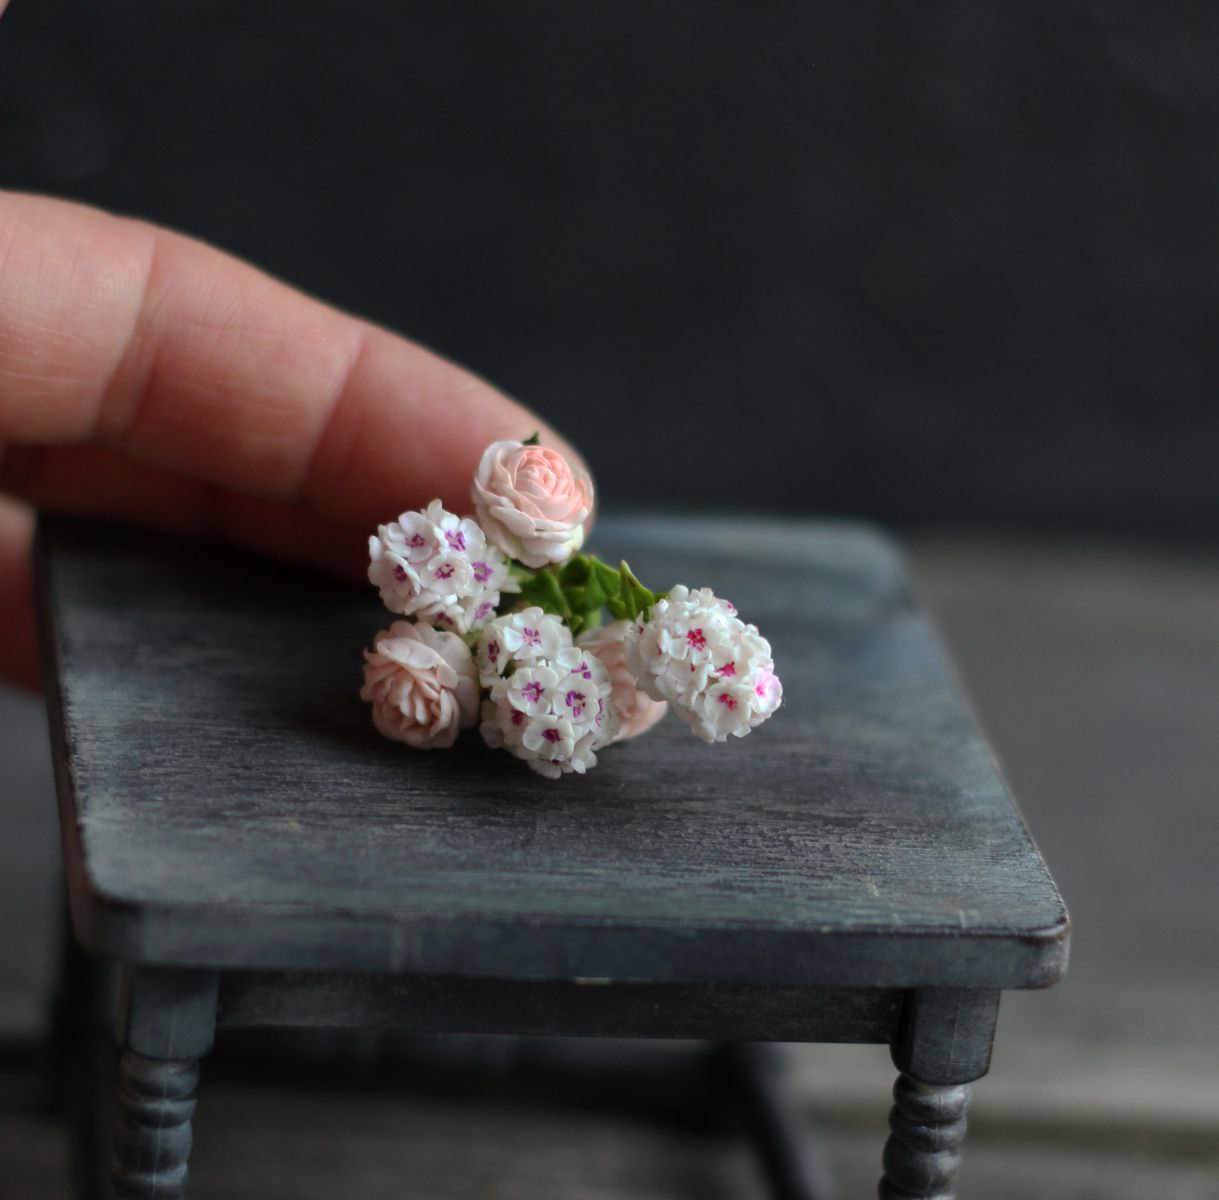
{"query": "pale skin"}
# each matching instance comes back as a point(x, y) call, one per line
point(148, 378)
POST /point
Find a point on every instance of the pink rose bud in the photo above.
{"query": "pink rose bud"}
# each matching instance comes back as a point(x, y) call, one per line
point(422, 685)
point(530, 503)
point(636, 710)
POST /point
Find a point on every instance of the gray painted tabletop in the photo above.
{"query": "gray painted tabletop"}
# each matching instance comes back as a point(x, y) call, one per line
point(226, 801)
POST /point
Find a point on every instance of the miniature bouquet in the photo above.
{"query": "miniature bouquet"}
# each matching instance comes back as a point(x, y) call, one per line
point(501, 627)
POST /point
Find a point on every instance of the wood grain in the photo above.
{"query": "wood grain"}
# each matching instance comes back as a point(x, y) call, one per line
point(226, 801)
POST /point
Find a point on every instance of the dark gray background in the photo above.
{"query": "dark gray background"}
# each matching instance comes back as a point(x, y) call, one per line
point(928, 263)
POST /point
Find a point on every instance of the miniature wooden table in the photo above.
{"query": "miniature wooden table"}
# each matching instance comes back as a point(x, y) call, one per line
point(240, 838)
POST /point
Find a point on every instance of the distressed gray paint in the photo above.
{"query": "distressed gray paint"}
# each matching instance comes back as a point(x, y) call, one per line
point(946, 1034)
point(455, 1005)
point(226, 801)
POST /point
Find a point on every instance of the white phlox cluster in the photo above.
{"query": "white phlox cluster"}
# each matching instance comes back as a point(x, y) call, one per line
point(716, 672)
point(548, 702)
point(438, 567)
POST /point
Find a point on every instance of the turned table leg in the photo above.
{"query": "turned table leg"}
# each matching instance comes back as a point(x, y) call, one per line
point(927, 1125)
point(944, 1044)
point(167, 1020)
point(152, 1135)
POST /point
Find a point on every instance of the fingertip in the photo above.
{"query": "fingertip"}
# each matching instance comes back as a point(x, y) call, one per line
point(411, 426)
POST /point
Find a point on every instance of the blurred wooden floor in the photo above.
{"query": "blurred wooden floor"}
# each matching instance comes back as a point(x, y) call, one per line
point(1096, 673)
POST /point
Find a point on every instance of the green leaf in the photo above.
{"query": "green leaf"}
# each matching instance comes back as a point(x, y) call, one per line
point(532, 441)
point(589, 585)
point(595, 596)
point(603, 585)
point(556, 601)
point(582, 621)
point(544, 591)
point(576, 571)
point(636, 598)
point(609, 577)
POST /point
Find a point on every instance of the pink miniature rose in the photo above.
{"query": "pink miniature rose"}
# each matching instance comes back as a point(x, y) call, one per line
point(422, 684)
point(530, 503)
point(637, 711)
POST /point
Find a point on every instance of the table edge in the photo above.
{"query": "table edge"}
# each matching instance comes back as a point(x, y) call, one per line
point(273, 937)
point(249, 937)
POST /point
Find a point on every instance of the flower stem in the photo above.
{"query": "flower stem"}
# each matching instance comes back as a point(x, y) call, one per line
point(579, 589)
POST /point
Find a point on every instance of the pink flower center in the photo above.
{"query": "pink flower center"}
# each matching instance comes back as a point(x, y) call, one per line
point(493, 651)
point(482, 572)
point(532, 637)
point(582, 670)
point(483, 610)
point(551, 735)
point(696, 639)
point(444, 571)
point(575, 701)
point(417, 540)
point(517, 716)
point(400, 573)
point(729, 668)
point(728, 701)
point(766, 685)
point(455, 538)
point(533, 691)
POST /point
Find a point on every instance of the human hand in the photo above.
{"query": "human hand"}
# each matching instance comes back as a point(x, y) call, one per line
point(147, 377)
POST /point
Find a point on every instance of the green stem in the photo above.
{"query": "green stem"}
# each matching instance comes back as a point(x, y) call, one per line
point(579, 589)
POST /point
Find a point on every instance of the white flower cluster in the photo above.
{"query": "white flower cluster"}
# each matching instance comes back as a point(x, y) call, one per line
point(696, 653)
point(438, 567)
point(548, 702)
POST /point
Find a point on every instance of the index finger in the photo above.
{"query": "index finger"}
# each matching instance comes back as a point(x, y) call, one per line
point(116, 332)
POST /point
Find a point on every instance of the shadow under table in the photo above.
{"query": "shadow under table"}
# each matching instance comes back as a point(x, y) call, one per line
point(239, 838)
